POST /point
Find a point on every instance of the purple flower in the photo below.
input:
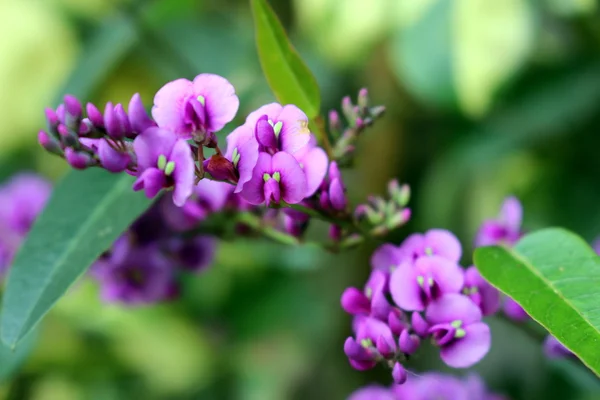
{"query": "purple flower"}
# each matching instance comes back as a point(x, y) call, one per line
point(22, 198)
point(457, 328)
point(434, 242)
point(414, 286)
point(295, 222)
point(79, 159)
point(314, 163)
point(164, 161)
point(116, 121)
point(336, 190)
point(275, 178)
point(373, 392)
point(504, 229)
point(110, 158)
point(204, 105)
point(94, 115)
point(370, 301)
point(388, 257)
point(373, 339)
point(434, 385)
point(138, 117)
point(278, 127)
point(242, 151)
point(514, 311)
point(481, 292)
point(555, 349)
point(208, 197)
point(194, 254)
point(134, 276)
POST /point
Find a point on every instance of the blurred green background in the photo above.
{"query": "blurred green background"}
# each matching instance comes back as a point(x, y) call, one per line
point(485, 98)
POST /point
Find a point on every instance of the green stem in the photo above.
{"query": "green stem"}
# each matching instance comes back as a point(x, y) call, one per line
point(257, 224)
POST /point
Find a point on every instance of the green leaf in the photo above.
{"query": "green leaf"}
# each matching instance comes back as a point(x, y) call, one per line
point(555, 276)
point(11, 360)
point(288, 76)
point(86, 213)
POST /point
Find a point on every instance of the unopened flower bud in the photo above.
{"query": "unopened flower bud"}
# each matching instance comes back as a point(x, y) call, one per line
point(78, 159)
point(335, 125)
point(123, 119)
point(395, 322)
point(419, 325)
point(399, 374)
point(72, 107)
point(52, 119)
point(67, 137)
point(221, 168)
point(377, 111)
point(355, 302)
point(408, 343)
point(377, 202)
point(403, 195)
point(337, 197)
point(111, 122)
point(138, 117)
point(383, 347)
point(60, 113)
point(86, 127)
point(363, 98)
point(360, 211)
point(334, 171)
point(324, 201)
point(393, 187)
point(359, 123)
point(335, 232)
point(398, 219)
point(94, 115)
point(348, 108)
point(294, 226)
point(49, 143)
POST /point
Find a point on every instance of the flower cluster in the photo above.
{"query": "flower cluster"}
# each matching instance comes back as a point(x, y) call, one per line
point(358, 116)
point(418, 291)
point(271, 160)
point(430, 386)
point(22, 198)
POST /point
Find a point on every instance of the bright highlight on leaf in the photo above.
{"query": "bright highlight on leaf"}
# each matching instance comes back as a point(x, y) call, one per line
point(555, 276)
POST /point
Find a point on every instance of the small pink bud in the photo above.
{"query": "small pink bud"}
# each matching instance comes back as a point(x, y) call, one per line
point(94, 115)
point(399, 374)
point(383, 347)
point(408, 343)
point(72, 106)
point(419, 325)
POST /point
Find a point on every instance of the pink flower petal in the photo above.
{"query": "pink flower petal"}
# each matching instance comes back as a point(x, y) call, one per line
point(469, 350)
point(452, 307)
point(151, 144)
point(253, 190)
point(169, 103)
point(293, 181)
point(221, 102)
point(405, 289)
point(314, 163)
